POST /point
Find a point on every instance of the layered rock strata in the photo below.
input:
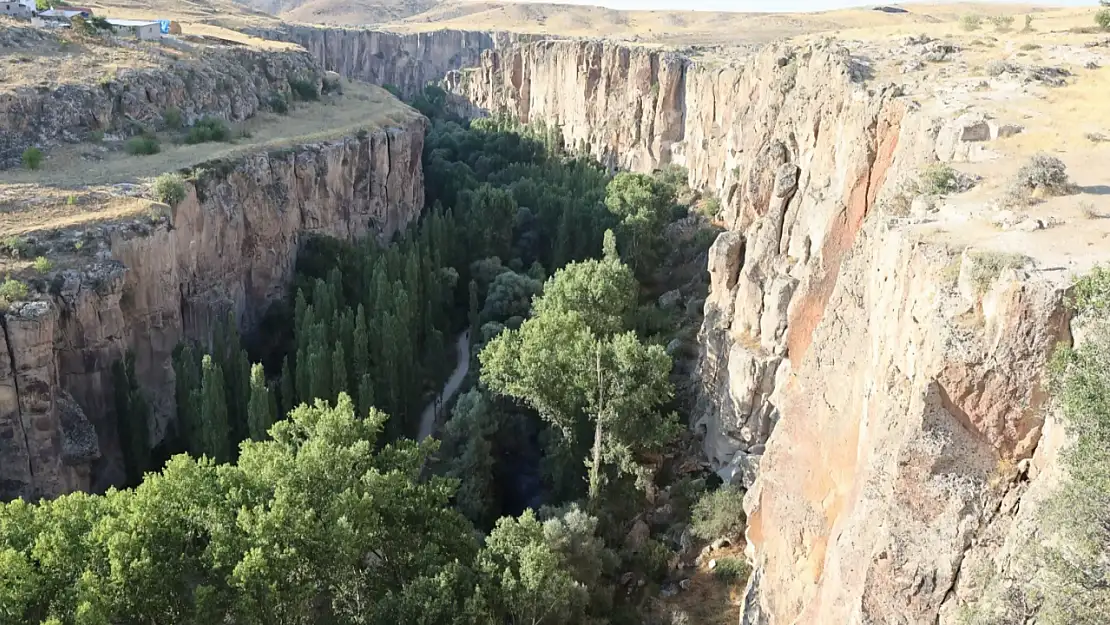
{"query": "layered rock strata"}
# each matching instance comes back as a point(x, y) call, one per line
point(228, 83)
point(230, 246)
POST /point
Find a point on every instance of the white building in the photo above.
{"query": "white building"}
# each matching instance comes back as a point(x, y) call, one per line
point(143, 29)
point(18, 8)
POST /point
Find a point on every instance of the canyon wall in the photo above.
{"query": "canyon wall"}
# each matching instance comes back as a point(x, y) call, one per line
point(231, 84)
point(874, 382)
point(230, 246)
point(406, 61)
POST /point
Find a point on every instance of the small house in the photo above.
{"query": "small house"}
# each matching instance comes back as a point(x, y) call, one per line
point(23, 9)
point(141, 29)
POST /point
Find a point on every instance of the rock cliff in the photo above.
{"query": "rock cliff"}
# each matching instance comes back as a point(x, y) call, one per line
point(871, 357)
point(406, 61)
point(229, 246)
point(231, 84)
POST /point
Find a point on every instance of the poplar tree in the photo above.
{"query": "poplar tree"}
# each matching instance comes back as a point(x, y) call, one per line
point(288, 396)
point(339, 370)
point(260, 410)
point(212, 402)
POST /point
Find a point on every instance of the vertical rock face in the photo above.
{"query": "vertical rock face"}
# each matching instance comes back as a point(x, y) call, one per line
point(891, 409)
point(406, 61)
point(231, 247)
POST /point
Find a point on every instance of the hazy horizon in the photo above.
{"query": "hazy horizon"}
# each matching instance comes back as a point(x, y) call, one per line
point(773, 5)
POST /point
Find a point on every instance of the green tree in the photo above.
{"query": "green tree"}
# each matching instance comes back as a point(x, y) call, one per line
point(642, 204)
point(510, 295)
point(260, 410)
point(288, 395)
point(473, 314)
point(603, 292)
point(132, 415)
point(212, 404)
point(533, 584)
point(340, 383)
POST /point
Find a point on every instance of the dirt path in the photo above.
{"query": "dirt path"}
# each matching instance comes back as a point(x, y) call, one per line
point(462, 366)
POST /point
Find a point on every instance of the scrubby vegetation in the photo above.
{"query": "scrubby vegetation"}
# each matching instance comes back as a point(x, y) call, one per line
point(143, 145)
point(1043, 176)
point(732, 570)
point(12, 290)
point(208, 129)
point(971, 22)
point(32, 158)
point(43, 265)
point(939, 179)
point(719, 514)
point(169, 189)
point(173, 118)
point(987, 266)
point(304, 89)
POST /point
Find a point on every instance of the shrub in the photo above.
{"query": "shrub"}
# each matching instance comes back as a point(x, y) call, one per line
point(971, 22)
point(71, 200)
point(996, 68)
point(939, 179)
point(43, 264)
point(208, 129)
point(987, 266)
point(144, 144)
point(1088, 210)
point(732, 570)
point(12, 290)
point(1029, 47)
point(304, 89)
point(1002, 23)
point(279, 103)
point(172, 117)
point(719, 514)
point(1044, 175)
point(169, 188)
point(1102, 18)
point(1028, 24)
point(32, 158)
point(96, 136)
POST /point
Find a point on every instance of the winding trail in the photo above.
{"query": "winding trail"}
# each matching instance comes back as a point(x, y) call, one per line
point(462, 367)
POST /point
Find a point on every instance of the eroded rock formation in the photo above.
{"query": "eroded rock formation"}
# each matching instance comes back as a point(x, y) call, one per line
point(230, 246)
point(231, 84)
point(875, 386)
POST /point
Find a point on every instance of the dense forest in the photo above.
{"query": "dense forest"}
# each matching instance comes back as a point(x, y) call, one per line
point(299, 496)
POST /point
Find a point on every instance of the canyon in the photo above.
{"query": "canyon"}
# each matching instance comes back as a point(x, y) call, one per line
point(873, 355)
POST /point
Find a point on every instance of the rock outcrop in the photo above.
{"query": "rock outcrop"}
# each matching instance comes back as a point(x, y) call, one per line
point(405, 61)
point(231, 84)
point(230, 246)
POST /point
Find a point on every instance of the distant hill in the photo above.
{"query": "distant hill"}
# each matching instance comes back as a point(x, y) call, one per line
point(342, 11)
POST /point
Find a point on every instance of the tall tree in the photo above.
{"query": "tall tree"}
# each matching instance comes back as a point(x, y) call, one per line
point(212, 403)
point(260, 409)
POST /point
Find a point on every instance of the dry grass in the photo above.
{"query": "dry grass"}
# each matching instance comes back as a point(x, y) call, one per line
point(74, 187)
point(362, 106)
point(709, 601)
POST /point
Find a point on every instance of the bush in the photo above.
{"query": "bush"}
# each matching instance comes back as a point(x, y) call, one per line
point(1043, 175)
point(169, 188)
point(939, 179)
point(1003, 23)
point(12, 290)
point(96, 136)
point(145, 144)
point(32, 158)
point(719, 514)
point(304, 89)
point(971, 22)
point(732, 570)
point(279, 104)
point(1102, 18)
point(208, 129)
point(43, 264)
point(987, 266)
point(172, 117)
point(1028, 24)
